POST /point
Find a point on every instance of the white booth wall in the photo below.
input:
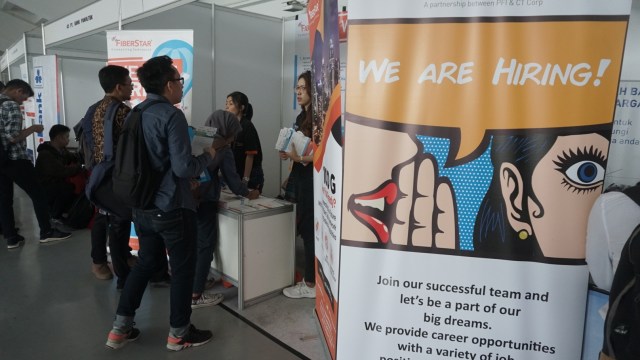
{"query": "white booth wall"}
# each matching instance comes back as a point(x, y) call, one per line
point(631, 61)
point(80, 87)
point(248, 58)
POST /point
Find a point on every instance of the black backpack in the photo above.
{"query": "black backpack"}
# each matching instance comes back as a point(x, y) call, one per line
point(622, 324)
point(135, 182)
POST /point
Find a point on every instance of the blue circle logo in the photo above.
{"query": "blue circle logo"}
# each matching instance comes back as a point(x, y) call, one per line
point(179, 49)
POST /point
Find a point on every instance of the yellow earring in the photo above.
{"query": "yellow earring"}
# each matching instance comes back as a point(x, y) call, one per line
point(523, 234)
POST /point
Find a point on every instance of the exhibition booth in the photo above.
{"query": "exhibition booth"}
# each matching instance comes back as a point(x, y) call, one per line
point(371, 250)
point(227, 50)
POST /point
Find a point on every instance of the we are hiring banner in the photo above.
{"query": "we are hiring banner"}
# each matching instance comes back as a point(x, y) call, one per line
point(131, 48)
point(476, 141)
point(44, 79)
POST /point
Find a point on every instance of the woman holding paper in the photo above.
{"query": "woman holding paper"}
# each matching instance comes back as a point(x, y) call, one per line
point(303, 172)
point(246, 148)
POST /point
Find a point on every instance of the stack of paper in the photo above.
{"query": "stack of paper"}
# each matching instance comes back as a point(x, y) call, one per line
point(288, 136)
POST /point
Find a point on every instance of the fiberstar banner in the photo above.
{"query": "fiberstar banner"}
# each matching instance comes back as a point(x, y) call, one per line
point(476, 141)
point(132, 48)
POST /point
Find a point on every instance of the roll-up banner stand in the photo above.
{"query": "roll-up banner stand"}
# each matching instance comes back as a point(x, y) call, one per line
point(625, 137)
point(476, 140)
point(131, 48)
point(324, 44)
point(44, 81)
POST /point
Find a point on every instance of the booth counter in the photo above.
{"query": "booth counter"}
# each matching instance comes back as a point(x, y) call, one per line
point(256, 246)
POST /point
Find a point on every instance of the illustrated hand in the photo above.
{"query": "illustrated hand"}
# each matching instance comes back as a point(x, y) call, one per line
point(415, 207)
point(434, 208)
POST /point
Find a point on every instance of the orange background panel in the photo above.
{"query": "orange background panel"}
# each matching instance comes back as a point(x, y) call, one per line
point(479, 105)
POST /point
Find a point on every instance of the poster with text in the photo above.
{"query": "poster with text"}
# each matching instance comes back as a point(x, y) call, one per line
point(625, 137)
point(44, 81)
point(131, 48)
point(476, 141)
point(324, 44)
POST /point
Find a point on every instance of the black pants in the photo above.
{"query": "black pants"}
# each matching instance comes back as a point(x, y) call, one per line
point(304, 207)
point(23, 174)
point(60, 196)
point(119, 230)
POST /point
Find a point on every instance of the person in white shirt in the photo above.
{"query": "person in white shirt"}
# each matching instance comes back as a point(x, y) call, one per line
point(613, 217)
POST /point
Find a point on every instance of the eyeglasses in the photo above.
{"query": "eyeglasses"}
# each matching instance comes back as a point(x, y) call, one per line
point(127, 84)
point(300, 87)
point(179, 79)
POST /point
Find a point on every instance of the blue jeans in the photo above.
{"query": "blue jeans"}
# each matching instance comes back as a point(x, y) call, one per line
point(156, 229)
point(207, 238)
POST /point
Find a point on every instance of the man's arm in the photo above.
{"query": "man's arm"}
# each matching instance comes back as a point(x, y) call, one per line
point(25, 133)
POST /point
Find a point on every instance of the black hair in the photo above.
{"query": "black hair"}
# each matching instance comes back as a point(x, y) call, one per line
point(156, 73)
point(307, 125)
point(19, 85)
point(493, 235)
point(58, 129)
point(241, 102)
point(1, 86)
point(112, 75)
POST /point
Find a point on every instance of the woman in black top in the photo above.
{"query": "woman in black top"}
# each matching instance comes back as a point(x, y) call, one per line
point(246, 148)
point(302, 171)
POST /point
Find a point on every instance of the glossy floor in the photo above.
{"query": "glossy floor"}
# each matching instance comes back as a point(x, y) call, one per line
point(51, 307)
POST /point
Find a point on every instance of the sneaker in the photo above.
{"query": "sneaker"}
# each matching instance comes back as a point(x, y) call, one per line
point(15, 243)
point(299, 291)
point(206, 300)
point(116, 340)
point(101, 271)
point(60, 225)
point(54, 235)
point(193, 337)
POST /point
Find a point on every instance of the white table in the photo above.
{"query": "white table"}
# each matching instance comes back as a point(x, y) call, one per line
point(256, 246)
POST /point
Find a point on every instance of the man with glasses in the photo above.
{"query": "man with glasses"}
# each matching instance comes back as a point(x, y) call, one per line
point(171, 221)
point(113, 217)
point(17, 167)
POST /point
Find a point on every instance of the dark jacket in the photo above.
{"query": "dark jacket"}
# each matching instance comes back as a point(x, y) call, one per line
point(53, 166)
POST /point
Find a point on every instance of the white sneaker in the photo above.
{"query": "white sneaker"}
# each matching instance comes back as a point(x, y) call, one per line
point(206, 300)
point(299, 291)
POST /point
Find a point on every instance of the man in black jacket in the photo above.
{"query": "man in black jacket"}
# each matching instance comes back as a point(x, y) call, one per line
point(54, 165)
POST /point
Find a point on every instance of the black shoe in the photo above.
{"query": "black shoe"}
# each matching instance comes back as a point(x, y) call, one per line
point(54, 235)
point(15, 242)
point(193, 337)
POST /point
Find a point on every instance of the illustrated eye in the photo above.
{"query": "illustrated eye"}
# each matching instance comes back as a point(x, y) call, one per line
point(585, 173)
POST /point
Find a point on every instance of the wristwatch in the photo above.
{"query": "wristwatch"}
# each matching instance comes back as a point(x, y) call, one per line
point(245, 179)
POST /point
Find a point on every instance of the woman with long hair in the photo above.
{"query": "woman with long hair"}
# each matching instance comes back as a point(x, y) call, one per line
point(302, 171)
